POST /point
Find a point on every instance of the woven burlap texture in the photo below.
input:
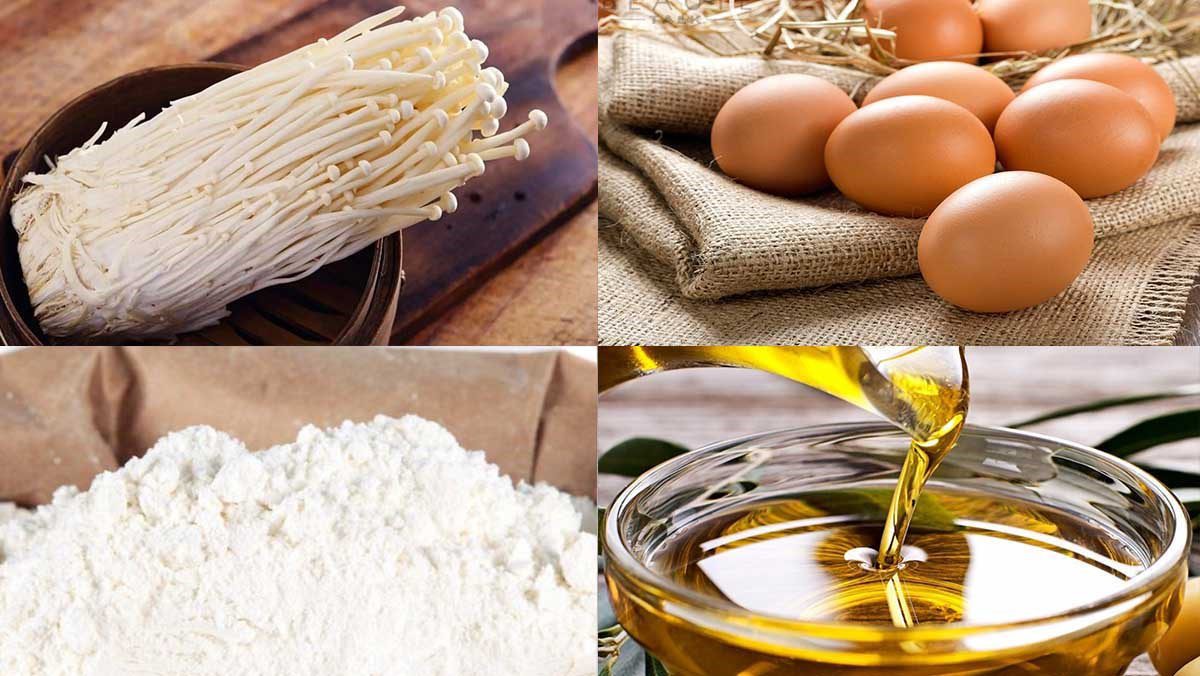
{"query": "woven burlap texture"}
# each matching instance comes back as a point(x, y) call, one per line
point(716, 239)
point(1131, 293)
point(742, 240)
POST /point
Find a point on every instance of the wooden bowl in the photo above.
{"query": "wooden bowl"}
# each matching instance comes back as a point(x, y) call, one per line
point(311, 311)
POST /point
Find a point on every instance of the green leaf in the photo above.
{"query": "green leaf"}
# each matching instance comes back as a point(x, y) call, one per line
point(654, 667)
point(1101, 404)
point(601, 512)
point(633, 457)
point(1154, 432)
point(610, 631)
point(1190, 497)
point(605, 670)
point(1173, 478)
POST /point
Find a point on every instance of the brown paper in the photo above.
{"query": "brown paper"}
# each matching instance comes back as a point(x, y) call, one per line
point(67, 414)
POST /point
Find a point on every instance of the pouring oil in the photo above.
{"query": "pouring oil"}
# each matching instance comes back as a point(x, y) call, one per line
point(844, 560)
point(923, 390)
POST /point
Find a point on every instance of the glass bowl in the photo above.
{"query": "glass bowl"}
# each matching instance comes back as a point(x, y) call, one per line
point(699, 634)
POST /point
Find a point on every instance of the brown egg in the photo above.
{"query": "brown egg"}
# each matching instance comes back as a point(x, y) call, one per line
point(1005, 242)
point(928, 30)
point(1033, 25)
point(1181, 644)
point(1092, 136)
point(1123, 72)
point(903, 156)
point(969, 86)
point(1190, 669)
point(771, 134)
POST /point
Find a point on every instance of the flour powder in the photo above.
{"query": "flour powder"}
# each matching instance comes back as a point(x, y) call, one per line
point(379, 549)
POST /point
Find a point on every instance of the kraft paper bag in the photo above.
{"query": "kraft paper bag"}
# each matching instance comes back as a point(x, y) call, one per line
point(67, 414)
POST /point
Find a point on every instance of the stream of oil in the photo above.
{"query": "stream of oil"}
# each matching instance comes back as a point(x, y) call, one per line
point(923, 390)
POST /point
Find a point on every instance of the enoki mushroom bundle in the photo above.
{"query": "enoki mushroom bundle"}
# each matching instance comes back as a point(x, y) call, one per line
point(262, 178)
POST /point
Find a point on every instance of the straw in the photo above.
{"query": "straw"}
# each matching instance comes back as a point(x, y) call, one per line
point(832, 32)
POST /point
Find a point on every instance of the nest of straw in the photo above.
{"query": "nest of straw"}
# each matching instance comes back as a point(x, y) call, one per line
point(833, 32)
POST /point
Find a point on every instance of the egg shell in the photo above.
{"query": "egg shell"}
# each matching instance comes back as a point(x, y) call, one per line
point(902, 156)
point(928, 30)
point(1190, 669)
point(1033, 25)
point(971, 87)
point(1181, 643)
point(771, 134)
point(1092, 136)
point(1122, 71)
point(1005, 242)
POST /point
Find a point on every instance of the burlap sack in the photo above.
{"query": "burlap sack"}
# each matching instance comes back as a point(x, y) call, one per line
point(1131, 293)
point(718, 239)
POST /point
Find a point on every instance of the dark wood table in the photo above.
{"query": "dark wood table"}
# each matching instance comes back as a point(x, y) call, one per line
point(548, 295)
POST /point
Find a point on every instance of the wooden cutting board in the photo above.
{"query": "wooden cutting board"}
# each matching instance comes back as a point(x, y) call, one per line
point(512, 204)
point(62, 48)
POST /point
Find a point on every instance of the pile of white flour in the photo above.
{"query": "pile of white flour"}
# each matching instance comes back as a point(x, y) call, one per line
point(380, 549)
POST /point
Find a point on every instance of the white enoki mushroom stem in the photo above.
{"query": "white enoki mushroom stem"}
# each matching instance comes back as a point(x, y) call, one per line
point(262, 178)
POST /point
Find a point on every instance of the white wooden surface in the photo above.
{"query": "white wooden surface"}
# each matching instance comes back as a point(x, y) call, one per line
point(701, 406)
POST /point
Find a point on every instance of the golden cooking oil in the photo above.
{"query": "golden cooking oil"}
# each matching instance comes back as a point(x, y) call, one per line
point(878, 558)
point(968, 558)
point(960, 563)
point(923, 390)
